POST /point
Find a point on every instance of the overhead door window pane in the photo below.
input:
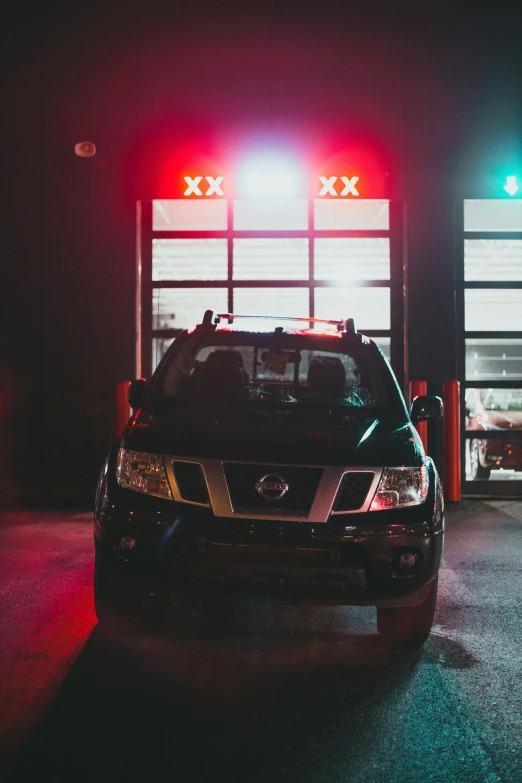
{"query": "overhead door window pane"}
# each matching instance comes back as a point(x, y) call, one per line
point(189, 215)
point(370, 307)
point(488, 360)
point(490, 310)
point(384, 345)
point(493, 259)
point(499, 413)
point(351, 215)
point(270, 214)
point(352, 259)
point(493, 409)
point(272, 301)
point(271, 259)
point(493, 460)
point(492, 215)
point(181, 308)
point(159, 348)
point(189, 259)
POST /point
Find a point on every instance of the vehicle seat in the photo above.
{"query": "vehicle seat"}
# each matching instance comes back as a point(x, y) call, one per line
point(222, 375)
point(326, 379)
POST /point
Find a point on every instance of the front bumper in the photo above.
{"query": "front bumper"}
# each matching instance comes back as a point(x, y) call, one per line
point(352, 561)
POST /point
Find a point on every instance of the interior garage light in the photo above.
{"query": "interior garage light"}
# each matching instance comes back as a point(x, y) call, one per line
point(265, 176)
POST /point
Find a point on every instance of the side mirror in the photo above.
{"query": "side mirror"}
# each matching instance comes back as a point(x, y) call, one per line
point(137, 393)
point(426, 409)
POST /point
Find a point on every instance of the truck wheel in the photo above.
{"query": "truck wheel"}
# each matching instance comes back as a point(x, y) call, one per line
point(105, 602)
point(115, 610)
point(120, 611)
point(408, 625)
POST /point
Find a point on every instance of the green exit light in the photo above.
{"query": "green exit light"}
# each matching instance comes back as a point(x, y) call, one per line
point(511, 186)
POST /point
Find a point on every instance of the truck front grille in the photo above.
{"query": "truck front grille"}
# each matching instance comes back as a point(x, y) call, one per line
point(302, 485)
point(191, 482)
point(266, 553)
point(353, 491)
point(261, 553)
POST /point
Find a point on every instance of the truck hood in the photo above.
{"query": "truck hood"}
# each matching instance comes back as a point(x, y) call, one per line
point(278, 436)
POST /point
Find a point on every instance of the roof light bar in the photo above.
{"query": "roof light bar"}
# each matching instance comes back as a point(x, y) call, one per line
point(341, 325)
point(231, 316)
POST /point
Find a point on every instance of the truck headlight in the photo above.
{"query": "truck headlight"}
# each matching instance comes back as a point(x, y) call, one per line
point(401, 487)
point(143, 473)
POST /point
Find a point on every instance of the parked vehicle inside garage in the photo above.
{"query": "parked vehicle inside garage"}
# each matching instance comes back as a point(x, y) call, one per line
point(498, 410)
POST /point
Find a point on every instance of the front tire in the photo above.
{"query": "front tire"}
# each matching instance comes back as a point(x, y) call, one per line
point(117, 610)
point(106, 603)
point(408, 625)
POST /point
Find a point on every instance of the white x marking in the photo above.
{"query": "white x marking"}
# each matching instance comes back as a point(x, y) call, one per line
point(350, 183)
point(193, 186)
point(215, 186)
point(328, 186)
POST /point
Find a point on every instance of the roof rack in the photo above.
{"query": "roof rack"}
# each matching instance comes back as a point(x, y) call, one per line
point(342, 325)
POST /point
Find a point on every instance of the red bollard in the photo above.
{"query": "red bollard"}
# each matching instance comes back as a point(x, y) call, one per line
point(123, 409)
point(451, 398)
point(420, 389)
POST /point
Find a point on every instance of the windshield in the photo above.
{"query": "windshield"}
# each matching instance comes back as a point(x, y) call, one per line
point(275, 370)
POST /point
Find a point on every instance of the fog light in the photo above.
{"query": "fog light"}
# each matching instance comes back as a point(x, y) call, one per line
point(408, 560)
point(127, 543)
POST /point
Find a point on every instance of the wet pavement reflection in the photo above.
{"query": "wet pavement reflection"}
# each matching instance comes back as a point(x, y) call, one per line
point(306, 694)
point(210, 707)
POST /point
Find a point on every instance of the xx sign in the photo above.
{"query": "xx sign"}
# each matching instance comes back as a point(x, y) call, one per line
point(214, 186)
point(328, 186)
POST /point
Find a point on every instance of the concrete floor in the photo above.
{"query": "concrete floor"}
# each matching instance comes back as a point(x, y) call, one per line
point(304, 695)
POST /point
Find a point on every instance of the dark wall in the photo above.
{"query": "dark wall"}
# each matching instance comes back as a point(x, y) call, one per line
point(433, 96)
